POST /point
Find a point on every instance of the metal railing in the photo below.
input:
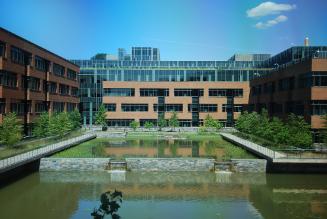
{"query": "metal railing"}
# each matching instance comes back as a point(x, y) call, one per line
point(303, 153)
point(40, 152)
point(260, 150)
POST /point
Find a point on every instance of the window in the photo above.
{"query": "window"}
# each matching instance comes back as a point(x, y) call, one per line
point(154, 92)
point(111, 107)
point(58, 70)
point(32, 83)
point(71, 74)
point(58, 107)
point(134, 107)
point(40, 64)
point(318, 107)
point(237, 108)
point(40, 107)
point(123, 92)
point(119, 122)
point(188, 92)
point(18, 108)
point(17, 55)
point(52, 87)
point(2, 105)
point(205, 107)
point(319, 78)
point(63, 89)
point(169, 108)
point(2, 49)
point(225, 92)
point(8, 79)
point(71, 107)
point(74, 91)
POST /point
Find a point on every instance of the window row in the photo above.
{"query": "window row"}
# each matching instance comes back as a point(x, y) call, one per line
point(23, 57)
point(111, 107)
point(173, 75)
point(307, 80)
point(178, 92)
point(20, 108)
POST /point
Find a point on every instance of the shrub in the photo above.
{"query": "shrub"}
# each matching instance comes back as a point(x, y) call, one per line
point(134, 125)
point(210, 122)
point(148, 125)
point(161, 122)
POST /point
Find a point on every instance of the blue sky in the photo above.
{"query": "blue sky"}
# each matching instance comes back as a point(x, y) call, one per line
point(182, 29)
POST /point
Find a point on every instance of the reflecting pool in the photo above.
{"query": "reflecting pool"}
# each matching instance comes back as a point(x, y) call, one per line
point(162, 195)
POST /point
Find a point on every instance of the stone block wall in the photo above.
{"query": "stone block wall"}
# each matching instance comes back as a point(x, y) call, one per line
point(242, 166)
point(74, 164)
point(169, 164)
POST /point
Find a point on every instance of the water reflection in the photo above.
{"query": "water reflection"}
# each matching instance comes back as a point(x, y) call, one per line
point(158, 195)
point(169, 148)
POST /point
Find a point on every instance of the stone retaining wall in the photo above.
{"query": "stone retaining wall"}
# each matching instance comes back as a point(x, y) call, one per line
point(169, 164)
point(74, 164)
point(155, 164)
point(242, 166)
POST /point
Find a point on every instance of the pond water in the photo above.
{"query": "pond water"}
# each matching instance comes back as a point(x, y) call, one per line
point(207, 195)
point(214, 148)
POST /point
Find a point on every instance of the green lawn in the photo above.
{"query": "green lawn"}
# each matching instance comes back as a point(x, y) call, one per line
point(207, 142)
point(32, 144)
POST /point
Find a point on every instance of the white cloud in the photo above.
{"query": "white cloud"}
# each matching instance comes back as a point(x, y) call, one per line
point(268, 8)
point(270, 23)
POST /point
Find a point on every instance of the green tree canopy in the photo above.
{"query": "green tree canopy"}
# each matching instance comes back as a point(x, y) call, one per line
point(134, 124)
point(148, 125)
point(60, 124)
point(10, 129)
point(161, 121)
point(41, 126)
point(75, 118)
point(210, 122)
point(100, 116)
point(173, 121)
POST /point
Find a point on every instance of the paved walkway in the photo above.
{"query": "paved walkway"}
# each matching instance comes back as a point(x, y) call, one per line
point(254, 148)
point(21, 159)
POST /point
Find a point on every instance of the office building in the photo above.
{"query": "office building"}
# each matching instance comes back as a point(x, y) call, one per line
point(144, 89)
point(145, 54)
point(297, 84)
point(34, 80)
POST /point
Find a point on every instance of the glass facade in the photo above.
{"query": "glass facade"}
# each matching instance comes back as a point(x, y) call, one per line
point(145, 66)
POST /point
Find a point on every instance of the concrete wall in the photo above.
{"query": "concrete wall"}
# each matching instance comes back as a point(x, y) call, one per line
point(77, 164)
point(242, 166)
point(169, 164)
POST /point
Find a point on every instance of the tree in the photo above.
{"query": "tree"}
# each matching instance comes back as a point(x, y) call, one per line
point(100, 116)
point(299, 131)
point(11, 129)
point(59, 124)
point(134, 125)
point(210, 122)
point(148, 125)
point(41, 126)
point(75, 118)
point(173, 121)
point(161, 122)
